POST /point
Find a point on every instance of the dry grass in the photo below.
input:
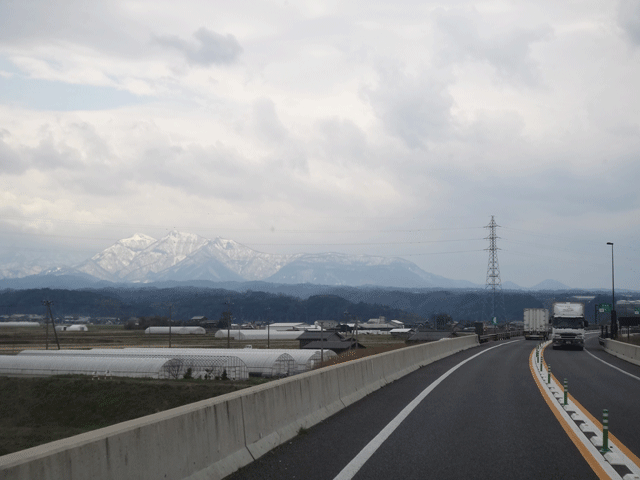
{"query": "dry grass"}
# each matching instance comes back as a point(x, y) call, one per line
point(41, 410)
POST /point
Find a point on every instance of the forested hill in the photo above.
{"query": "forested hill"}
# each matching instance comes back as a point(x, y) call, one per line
point(257, 306)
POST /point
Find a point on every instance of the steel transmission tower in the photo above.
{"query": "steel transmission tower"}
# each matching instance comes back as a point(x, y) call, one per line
point(494, 285)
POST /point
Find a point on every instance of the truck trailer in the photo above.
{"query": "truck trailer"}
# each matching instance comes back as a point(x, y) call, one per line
point(568, 325)
point(536, 323)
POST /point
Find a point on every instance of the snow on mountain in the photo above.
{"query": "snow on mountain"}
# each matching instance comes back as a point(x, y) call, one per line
point(108, 264)
point(182, 256)
point(162, 254)
point(248, 263)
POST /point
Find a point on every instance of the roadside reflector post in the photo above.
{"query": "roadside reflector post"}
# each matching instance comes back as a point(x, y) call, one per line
point(605, 431)
point(548, 374)
point(566, 385)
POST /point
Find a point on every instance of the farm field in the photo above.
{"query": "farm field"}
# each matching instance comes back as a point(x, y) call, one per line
point(41, 410)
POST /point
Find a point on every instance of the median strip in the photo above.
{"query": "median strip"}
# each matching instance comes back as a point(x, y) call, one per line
point(583, 430)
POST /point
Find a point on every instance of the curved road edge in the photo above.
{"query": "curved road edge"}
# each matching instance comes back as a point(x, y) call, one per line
point(581, 427)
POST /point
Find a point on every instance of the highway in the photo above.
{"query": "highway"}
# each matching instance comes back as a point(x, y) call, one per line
point(478, 414)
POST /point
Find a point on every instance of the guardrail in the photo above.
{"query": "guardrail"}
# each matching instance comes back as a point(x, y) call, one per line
point(213, 438)
point(625, 351)
point(500, 335)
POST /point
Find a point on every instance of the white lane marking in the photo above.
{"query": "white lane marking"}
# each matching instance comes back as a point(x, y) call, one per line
point(359, 460)
point(612, 366)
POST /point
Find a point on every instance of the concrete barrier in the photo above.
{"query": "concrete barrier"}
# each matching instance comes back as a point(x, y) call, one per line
point(213, 438)
point(625, 351)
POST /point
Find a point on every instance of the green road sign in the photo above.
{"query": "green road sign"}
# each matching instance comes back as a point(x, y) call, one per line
point(604, 307)
point(495, 320)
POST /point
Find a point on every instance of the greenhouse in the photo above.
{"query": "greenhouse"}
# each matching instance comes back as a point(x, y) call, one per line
point(48, 365)
point(175, 330)
point(307, 359)
point(259, 334)
point(19, 324)
point(304, 359)
point(259, 362)
point(72, 328)
point(202, 366)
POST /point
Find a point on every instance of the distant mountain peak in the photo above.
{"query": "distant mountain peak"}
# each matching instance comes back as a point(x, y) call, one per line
point(183, 256)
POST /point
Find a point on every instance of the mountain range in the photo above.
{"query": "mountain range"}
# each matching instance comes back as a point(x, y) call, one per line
point(187, 257)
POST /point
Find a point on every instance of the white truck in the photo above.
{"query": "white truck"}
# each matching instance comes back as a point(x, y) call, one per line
point(536, 323)
point(568, 325)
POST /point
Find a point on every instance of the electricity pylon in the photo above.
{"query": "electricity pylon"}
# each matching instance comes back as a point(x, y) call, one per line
point(494, 285)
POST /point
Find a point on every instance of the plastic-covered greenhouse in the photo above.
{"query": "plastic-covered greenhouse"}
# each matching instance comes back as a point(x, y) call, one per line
point(307, 359)
point(265, 363)
point(175, 330)
point(304, 359)
point(202, 366)
point(47, 365)
point(259, 334)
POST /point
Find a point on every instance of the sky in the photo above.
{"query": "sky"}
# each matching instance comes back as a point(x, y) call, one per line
point(393, 129)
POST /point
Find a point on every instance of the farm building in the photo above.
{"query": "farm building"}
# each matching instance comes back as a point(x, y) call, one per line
point(175, 331)
point(202, 366)
point(282, 326)
point(48, 365)
point(259, 362)
point(72, 328)
point(19, 324)
point(307, 359)
point(317, 335)
point(259, 334)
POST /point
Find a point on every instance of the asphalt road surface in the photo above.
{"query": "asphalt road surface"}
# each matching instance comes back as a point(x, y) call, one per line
point(486, 419)
point(596, 385)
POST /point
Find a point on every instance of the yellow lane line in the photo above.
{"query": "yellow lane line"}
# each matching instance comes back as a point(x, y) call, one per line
point(630, 455)
point(586, 454)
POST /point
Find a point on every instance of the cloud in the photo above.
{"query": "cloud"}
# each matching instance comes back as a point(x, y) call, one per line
point(629, 19)
point(267, 125)
point(10, 159)
point(211, 48)
point(508, 52)
point(415, 108)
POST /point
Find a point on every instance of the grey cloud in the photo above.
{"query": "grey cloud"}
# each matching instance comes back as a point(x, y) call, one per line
point(629, 19)
point(416, 109)
point(102, 25)
point(509, 54)
point(10, 161)
point(268, 126)
point(343, 141)
point(211, 47)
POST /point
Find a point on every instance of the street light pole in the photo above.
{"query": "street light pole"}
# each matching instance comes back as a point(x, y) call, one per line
point(614, 320)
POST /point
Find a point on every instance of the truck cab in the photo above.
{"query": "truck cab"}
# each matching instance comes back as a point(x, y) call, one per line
point(568, 325)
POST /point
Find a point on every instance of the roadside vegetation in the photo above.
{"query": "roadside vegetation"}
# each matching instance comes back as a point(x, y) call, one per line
point(40, 410)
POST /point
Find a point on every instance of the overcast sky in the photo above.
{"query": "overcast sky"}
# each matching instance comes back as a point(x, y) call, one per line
point(368, 127)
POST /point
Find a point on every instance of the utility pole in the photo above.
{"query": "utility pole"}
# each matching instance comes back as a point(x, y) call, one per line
point(614, 316)
point(268, 329)
point(227, 315)
point(170, 307)
point(48, 304)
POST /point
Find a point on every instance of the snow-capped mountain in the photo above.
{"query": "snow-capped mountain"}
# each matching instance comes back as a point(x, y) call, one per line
point(108, 264)
point(182, 256)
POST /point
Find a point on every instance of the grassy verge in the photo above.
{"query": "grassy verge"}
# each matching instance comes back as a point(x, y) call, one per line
point(41, 410)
